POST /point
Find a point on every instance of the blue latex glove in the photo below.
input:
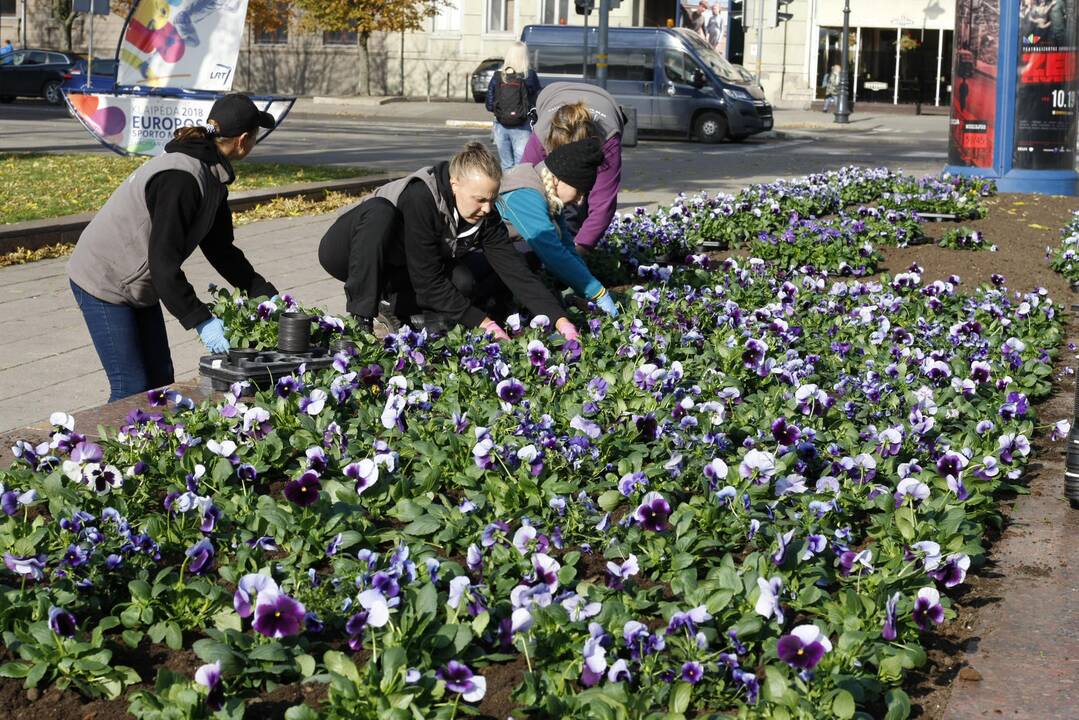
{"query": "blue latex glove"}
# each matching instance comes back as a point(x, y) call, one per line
point(606, 304)
point(212, 334)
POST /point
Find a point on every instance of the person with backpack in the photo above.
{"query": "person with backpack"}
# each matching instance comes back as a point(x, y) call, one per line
point(531, 201)
point(511, 95)
point(127, 263)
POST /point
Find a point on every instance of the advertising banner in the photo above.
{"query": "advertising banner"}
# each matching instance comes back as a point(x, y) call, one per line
point(1045, 99)
point(186, 44)
point(974, 83)
point(144, 124)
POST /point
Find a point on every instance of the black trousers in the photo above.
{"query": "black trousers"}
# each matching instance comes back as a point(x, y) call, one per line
point(364, 249)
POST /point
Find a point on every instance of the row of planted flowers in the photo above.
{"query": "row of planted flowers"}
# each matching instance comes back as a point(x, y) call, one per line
point(751, 493)
point(832, 221)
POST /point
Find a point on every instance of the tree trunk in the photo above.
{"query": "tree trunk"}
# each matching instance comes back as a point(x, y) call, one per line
point(364, 37)
point(69, 26)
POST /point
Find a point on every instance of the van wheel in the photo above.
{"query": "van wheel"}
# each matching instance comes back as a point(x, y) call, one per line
point(710, 128)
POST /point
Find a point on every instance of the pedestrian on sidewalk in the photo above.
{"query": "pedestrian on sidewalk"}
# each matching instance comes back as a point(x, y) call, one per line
point(831, 87)
point(127, 262)
point(566, 112)
point(531, 202)
point(511, 95)
point(434, 244)
point(7, 48)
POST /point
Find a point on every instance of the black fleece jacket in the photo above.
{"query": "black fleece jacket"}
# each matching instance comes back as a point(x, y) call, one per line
point(429, 258)
point(173, 199)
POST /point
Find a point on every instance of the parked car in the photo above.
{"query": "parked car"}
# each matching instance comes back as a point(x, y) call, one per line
point(481, 77)
point(35, 73)
point(103, 80)
point(674, 79)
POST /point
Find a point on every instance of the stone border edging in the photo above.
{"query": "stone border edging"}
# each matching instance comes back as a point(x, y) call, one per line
point(35, 234)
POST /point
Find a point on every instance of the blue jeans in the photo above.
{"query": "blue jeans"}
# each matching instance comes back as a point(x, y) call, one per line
point(510, 143)
point(131, 343)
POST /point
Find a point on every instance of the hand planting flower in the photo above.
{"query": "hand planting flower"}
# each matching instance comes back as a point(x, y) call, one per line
point(804, 647)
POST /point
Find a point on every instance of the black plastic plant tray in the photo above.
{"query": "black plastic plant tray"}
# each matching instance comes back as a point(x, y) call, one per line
point(938, 217)
point(263, 370)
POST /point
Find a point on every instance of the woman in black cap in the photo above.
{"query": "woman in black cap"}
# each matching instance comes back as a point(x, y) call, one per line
point(128, 259)
point(531, 201)
point(434, 245)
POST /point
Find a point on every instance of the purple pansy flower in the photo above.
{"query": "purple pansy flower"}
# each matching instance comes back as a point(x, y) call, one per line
point(200, 557)
point(891, 617)
point(277, 615)
point(62, 622)
point(692, 672)
point(804, 647)
point(927, 608)
point(952, 571)
point(653, 512)
point(249, 587)
point(304, 490)
point(364, 473)
point(209, 676)
point(460, 679)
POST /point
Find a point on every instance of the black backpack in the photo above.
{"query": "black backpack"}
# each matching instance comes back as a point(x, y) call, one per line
point(511, 100)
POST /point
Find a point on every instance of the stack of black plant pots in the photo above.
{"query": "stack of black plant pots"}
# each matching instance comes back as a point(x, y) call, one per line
point(262, 368)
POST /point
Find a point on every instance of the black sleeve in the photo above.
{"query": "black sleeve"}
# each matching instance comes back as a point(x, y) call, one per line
point(173, 199)
point(423, 256)
point(509, 263)
point(219, 248)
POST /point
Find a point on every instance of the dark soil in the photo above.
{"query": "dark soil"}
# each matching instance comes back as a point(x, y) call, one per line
point(502, 679)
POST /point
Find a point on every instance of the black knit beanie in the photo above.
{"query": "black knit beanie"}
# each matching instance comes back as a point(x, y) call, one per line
point(576, 163)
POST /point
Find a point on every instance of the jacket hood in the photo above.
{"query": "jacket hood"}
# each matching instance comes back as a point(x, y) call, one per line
point(205, 150)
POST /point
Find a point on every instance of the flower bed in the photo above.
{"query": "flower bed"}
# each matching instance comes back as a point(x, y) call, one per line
point(750, 494)
point(1065, 257)
point(883, 208)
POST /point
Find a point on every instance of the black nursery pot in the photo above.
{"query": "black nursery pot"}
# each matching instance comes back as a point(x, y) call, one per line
point(294, 332)
point(237, 355)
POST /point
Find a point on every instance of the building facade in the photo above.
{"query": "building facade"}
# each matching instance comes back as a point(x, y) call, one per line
point(900, 51)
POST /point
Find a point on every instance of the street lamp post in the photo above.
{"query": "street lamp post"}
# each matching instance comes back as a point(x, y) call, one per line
point(842, 108)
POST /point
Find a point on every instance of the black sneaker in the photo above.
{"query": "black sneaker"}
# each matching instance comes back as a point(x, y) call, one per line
point(364, 323)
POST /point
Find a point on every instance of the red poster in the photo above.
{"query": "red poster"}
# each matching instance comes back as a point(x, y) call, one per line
point(974, 87)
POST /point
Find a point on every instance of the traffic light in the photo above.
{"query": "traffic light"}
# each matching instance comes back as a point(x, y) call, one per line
point(584, 7)
point(737, 9)
point(782, 17)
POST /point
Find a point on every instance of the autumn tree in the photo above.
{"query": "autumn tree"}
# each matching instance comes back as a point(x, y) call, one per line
point(365, 17)
point(63, 12)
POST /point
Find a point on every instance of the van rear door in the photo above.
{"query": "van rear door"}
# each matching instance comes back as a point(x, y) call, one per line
point(631, 79)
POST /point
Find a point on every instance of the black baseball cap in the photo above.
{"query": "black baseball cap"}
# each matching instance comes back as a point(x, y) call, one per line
point(235, 114)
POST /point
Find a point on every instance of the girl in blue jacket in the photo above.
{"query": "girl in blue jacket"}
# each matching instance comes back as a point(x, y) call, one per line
point(531, 201)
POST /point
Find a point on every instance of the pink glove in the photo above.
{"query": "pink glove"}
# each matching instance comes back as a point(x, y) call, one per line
point(494, 329)
point(566, 329)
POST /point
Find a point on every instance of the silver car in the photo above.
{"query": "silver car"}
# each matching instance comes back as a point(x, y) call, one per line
point(481, 77)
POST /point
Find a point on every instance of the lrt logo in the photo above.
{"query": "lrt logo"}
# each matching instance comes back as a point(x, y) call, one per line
point(221, 72)
point(1032, 39)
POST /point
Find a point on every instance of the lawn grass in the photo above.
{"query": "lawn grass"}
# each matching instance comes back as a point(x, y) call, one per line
point(44, 185)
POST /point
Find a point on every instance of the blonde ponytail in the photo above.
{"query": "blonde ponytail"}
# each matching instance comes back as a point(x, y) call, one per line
point(554, 205)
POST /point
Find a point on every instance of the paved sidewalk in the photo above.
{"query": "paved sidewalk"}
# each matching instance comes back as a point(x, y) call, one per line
point(47, 361)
